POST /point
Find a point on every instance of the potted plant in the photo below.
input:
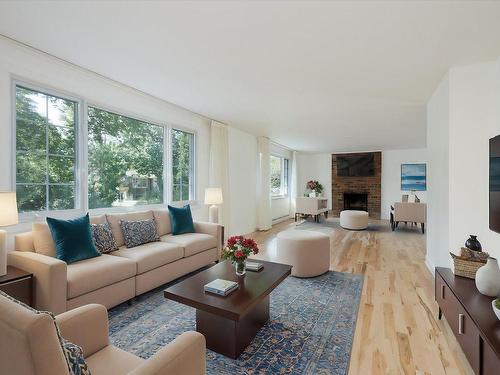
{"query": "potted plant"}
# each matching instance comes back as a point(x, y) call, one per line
point(496, 307)
point(237, 250)
point(315, 187)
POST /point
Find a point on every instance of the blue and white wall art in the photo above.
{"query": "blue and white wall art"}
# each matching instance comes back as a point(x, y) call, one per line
point(414, 177)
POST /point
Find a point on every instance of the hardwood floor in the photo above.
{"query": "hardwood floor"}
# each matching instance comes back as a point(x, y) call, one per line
point(397, 330)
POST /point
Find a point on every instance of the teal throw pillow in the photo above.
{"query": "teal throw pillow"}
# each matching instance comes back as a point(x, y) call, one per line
point(181, 219)
point(73, 239)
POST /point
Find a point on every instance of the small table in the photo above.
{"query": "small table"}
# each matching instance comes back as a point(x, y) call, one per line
point(230, 323)
point(18, 284)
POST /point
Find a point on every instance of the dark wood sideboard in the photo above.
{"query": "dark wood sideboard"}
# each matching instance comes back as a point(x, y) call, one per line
point(471, 319)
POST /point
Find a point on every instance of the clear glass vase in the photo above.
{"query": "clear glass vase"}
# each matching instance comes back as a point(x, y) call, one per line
point(240, 267)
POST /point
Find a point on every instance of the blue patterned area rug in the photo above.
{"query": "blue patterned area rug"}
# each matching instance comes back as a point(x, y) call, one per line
point(310, 331)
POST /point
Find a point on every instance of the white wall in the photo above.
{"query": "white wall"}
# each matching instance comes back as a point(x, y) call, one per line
point(437, 176)
point(464, 113)
point(315, 167)
point(243, 161)
point(474, 119)
point(391, 176)
point(26, 64)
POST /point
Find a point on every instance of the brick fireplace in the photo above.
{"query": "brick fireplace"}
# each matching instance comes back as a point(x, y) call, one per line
point(353, 191)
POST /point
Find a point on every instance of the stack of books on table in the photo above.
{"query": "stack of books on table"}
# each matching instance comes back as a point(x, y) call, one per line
point(221, 287)
point(254, 266)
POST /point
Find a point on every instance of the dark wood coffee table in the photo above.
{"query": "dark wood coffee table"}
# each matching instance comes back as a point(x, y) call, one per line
point(230, 323)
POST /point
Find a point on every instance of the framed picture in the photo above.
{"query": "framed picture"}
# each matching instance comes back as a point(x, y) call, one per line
point(414, 177)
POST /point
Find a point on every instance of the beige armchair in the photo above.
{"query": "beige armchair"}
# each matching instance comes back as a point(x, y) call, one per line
point(29, 345)
point(409, 213)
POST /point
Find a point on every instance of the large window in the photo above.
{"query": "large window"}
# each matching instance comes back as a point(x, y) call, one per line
point(279, 176)
point(45, 151)
point(182, 165)
point(125, 160)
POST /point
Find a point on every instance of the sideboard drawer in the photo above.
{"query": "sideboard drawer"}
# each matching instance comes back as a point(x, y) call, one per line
point(460, 322)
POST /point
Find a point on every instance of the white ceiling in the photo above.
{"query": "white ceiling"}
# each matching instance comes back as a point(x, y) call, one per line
point(314, 76)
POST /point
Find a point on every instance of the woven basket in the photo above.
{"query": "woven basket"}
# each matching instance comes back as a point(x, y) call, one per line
point(466, 267)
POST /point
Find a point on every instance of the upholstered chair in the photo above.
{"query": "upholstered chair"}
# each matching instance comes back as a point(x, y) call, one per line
point(409, 213)
point(30, 345)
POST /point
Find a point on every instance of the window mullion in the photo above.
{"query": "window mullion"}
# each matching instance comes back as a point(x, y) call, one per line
point(47, 204)
point(167, 165)
point(83, 151)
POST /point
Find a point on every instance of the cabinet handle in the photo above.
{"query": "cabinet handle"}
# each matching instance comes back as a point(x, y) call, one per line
point(460, 324)
point(442, 291)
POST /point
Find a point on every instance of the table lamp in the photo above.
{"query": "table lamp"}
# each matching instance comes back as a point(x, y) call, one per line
point(213, 196)
point(8, 216)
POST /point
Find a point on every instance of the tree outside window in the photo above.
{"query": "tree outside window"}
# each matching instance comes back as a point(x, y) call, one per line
point(125, 160)
point(182, 165)
point(45, 151)
point(279, 176)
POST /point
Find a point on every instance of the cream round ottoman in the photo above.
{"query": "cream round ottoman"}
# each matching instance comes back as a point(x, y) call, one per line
point(307, 252)
point(354, 219)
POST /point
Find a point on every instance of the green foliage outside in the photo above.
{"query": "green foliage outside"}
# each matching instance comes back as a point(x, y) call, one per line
point(182, 145)
point(125, 156)
point(119, 148)
point(275, 175)
point(45, 151)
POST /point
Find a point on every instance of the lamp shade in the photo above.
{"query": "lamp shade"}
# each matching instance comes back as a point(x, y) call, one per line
point(8, 209)
point(213, 196)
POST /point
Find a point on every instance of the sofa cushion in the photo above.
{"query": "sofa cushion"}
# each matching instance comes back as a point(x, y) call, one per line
point(95, 273)
point(98, 219)
point(151, 255)
point(192, 243)
point(73, 239)
point(103, 238)
point(181, 219)
point(162, 219)
point(136, 233)
point(114, 222)
point(42, 240)
point(112, 360)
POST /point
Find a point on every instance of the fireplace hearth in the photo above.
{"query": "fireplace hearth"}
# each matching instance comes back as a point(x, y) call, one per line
point(356, 201)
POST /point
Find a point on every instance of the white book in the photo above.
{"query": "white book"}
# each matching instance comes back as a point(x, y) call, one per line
point(254, 266)
point(221, 287)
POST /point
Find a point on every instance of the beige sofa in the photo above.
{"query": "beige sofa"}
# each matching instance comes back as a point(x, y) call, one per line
point(113, 278)
point(29, 345)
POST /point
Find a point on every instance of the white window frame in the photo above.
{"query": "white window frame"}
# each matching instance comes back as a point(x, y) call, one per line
point(29, 216)
point(284, 178)
point(193, 168)
point(81, 153)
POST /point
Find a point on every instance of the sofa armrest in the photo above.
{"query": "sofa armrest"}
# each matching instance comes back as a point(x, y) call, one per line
point(49, 279)
point(216, 230)
point(183, 356)
point(85, 326)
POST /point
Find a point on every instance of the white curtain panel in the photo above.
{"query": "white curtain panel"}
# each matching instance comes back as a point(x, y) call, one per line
point(293, 183)
point(264, 219)
point(219, 168)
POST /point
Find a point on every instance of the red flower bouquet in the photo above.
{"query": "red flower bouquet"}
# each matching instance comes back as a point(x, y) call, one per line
point(237, 250)
point(315, 186)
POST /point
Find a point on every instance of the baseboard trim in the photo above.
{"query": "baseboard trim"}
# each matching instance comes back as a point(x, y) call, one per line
point(281, 219)
point(430, 266)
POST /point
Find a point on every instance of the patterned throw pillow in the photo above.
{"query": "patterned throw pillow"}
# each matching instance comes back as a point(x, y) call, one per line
point(103, 238)
point(74, 356)
point(136, 233)
point(72, 352)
